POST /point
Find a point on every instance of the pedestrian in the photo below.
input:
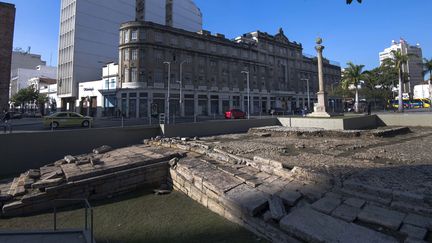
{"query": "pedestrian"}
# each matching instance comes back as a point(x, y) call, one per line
point(6, 116)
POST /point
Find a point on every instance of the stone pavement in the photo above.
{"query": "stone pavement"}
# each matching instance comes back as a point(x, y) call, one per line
point(297, 204)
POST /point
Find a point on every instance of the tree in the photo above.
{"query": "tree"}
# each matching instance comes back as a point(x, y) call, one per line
point(29, 95)
point(352, 75)
point(427, 64)
point(400, 60)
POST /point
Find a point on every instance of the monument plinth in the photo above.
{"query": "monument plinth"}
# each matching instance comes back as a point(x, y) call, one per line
point(321, 108)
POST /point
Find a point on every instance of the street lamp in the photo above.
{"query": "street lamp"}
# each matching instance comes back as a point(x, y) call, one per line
point(308, 93)
point(181, 85)
point(248, 90)
point(168, 94)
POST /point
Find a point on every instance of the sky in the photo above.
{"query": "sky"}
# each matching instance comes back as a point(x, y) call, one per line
point(356, 32)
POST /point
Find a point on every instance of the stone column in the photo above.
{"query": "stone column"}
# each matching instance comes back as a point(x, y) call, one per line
point(321, 108)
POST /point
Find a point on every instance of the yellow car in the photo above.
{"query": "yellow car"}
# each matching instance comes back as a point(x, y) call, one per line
point(67, 119)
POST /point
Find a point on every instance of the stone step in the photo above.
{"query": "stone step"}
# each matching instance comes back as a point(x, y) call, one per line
point(312, 226)
point(246, 199)
point(385, 217)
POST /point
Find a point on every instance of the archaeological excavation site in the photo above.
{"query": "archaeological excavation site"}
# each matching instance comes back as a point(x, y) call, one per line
point(283, 184)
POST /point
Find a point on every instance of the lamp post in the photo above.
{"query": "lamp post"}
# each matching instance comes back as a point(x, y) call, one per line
point(181, 86)
point(168, 93)
point(308, 93)
point(248, 92)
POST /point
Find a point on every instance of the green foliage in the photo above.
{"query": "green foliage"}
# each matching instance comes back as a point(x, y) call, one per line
point(29, 95)
point(352, 75)
point(427, 64)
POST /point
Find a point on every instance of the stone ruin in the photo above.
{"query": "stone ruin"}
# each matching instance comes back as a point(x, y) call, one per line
point(278, 203)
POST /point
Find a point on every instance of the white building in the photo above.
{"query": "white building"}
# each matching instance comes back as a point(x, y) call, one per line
point(181, 14)
point(98, 98)
point(47, 86)
point(21, 76)
point(88, 39)
point(89, 35)
point(423, 91)
point(414, 68)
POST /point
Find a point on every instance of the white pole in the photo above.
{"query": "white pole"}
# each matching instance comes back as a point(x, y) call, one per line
point(168, 93)
point(248, 92)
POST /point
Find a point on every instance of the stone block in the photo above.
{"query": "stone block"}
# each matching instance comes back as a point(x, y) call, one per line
point(277, 208)
point(272, 188)
point(312, 226)
point(289, 197)
point(346, 212)
point(412, 207)
point(355, 202)
point(381, 216)
point(413, 231)
point(417, 220)
point(327, 204)
point(408, 197)
point(34, 174)
point(247, 199)
point(69, 159)
point(47, 183)
point(102, 150)
point(215, 207)
point(413, 240)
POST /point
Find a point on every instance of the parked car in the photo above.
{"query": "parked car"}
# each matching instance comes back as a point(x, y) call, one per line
point(235, 114)
point(67, 119)
point(277, 111)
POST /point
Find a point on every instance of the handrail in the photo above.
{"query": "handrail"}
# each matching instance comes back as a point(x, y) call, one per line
point(87, 208)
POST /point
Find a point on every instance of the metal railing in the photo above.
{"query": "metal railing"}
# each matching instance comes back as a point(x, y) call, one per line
point(87, 225)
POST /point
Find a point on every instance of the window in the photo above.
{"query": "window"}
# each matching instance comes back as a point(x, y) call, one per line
point(158, 55)
point(188, 43)
point(126, 75)
point(126, 36)
point(142, 34)
point(126, 54)
point(134, 74)
point(62, 115)
point(173, 40)
point(134, 54)
point(158, 37)
point(73, 115)
point(134, 36)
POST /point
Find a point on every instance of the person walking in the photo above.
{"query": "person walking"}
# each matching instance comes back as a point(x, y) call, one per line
point(5, 119)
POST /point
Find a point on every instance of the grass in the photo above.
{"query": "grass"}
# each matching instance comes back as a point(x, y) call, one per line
point(144, 217)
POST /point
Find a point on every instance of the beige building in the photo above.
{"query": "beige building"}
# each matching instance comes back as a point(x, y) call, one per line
point(211, 65)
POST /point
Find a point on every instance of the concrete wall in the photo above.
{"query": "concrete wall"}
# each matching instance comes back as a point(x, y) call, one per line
point(407, 119)
point(215, 127)
point(22, 151)
point(345, 123)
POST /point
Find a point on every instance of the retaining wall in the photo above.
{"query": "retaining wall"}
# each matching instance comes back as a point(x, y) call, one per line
point(211, 128)
point(407, 119)
point(23, 151)
point(334, 123)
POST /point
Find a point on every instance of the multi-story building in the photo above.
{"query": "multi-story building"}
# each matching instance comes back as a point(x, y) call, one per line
point(88, 39)
point(414, 67)
point(21, 76)
point(98, 98)
point(26, 60)
point(7, 24)
point(181, 14)
point(89, 35)
point(210, 70)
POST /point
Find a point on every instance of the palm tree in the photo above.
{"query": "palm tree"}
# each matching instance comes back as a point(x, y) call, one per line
point(427, 67)
point(352, 75)
point(400, 60)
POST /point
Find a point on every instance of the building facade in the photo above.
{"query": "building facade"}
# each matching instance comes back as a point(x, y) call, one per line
point(26, 60)
point(211, 71)
point(21, 76)
point(99, 98)
point(181, 14)
point(7, 24)
point(88, 39)
point(414, 67)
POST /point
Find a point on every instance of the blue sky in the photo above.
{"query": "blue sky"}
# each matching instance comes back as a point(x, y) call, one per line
point(351, 32)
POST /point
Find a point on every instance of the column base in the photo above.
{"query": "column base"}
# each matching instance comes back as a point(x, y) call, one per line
point(322, 114)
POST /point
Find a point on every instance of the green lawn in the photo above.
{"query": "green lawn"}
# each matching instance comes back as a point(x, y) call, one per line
point(144, 217)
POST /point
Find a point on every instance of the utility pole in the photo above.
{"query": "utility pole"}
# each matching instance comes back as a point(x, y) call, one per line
point(181, 86)
point(168, 93)
point(248, 92)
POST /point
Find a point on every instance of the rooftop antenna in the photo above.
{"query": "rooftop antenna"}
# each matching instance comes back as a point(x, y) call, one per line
point(28, 50)
point(50, 60)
